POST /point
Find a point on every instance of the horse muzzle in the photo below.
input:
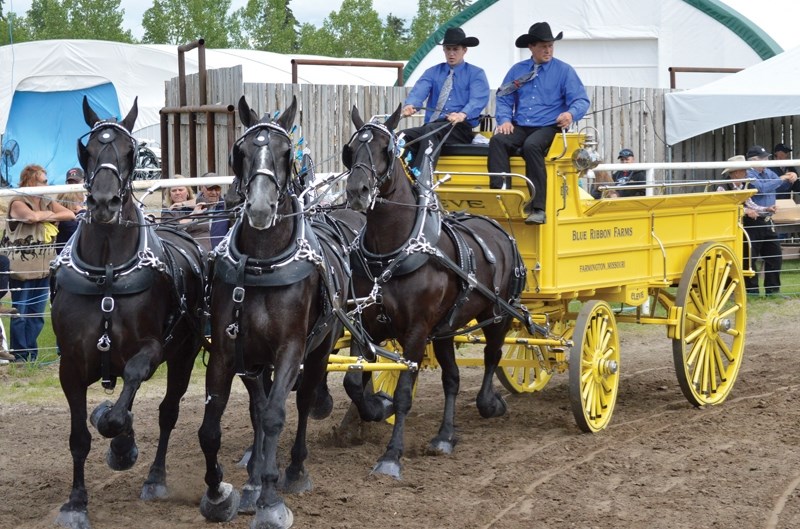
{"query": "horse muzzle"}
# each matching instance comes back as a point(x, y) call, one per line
point(104, 209)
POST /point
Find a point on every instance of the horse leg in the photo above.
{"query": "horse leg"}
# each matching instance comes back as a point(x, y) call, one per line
point(323, 402)
point(271, 510)
point(75, 514)
point(221, 501)
point(389, 462)
point(116, 421)
point(258, 389)
point(266, 378)
point(445, 440)
point(490, 403)
point(295, 479)
point(372, 407)
point(179, 371)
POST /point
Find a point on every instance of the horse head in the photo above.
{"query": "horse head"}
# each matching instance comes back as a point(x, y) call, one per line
point(261, 159)
point(108, 161)
point(370, 156)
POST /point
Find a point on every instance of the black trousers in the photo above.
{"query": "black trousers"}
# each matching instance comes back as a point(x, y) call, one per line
point(765, 245)
point(534, 143)
point(460, 133)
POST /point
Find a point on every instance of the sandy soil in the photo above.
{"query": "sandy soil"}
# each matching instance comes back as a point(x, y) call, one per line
point(660, 464)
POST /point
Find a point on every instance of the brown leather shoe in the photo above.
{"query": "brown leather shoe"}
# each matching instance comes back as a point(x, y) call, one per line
point(5, 355)
point(8, 310)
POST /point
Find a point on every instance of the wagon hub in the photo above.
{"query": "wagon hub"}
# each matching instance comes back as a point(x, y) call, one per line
point(607, 367)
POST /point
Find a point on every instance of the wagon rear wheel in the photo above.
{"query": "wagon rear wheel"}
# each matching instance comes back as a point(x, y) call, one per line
point(594, 366)
point(529, 377)
point(709, 342)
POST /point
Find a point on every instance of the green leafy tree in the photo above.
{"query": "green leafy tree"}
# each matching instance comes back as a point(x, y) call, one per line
point(12, 27)
point(430, 15)
point(183, 21)
point(72, 19)
point(396, 41)
point(267, 25)
point(353, 31)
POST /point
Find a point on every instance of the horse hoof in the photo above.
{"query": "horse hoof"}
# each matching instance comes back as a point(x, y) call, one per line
point(73, 520)
point(295, 482)
point(387, 468)
point(154, 491)
point(99, 411)
point(440, 447)
point(277, 516)
point(322, 408)
point(250, 495)
point(495, 407)
point(121, 462)
point(245, 457)
point(224, 508)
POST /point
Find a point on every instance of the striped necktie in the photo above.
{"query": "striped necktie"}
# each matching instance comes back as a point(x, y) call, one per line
point(514, 85)
point(447, 87)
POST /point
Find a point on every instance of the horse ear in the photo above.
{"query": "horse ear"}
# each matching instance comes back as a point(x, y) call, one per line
point(246, 114)
point(394, 119)
point(83, 155)
point(89, 115)
point(286, 119)
point(130, 119)
point(356, 117)
point(347, 156)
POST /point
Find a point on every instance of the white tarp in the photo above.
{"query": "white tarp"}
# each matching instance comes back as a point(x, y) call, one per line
point(141, 70)
point(765, 90)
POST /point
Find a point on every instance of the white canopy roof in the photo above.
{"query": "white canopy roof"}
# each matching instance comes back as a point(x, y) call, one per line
point(764, 90)
point(141, 70)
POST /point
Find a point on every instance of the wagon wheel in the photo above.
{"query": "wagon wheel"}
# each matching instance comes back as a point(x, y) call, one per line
point(528, 378)
point(386, 381)
point(594, 366)
point(709, 343)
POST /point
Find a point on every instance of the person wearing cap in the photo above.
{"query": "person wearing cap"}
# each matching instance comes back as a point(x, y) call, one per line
point(782, 152)
point(762, 234)
point(456, 93)
point(75, 176)
point(211, 197)
point(624, 177)
point(538, 97)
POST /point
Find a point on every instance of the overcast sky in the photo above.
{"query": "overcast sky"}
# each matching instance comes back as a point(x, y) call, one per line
point(311, 11)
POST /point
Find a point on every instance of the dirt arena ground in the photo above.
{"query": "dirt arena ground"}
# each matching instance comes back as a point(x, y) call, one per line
point(661, 464)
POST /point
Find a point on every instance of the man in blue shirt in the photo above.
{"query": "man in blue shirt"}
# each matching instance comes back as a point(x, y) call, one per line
point(760, 230)
point(211, 195)
point(456, 92)
point(539, 97)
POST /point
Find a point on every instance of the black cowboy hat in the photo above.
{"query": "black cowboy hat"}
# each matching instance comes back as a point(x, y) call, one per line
point(539, 32)
point(457, 37)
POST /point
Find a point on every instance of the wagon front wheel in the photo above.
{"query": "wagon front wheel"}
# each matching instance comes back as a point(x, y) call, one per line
point(594, 366)
point(709, 341)
point(522, 368)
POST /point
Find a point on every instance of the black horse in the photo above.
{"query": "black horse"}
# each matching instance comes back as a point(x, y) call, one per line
point(435, 273)
point(277, 285)
point(126, 297)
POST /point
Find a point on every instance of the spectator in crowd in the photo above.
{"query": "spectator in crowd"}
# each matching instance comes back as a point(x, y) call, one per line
point(211, 196)
point(31, 218)
point(539, 97)
point(625, 177)
point(74, 201)
point(782, 152)
point(456, 92)
point(760, 229)
point(182, 204)
point(75, 176)
point(5, 355)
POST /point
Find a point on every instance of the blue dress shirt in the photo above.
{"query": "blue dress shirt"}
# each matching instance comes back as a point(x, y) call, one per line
point(767, 183)
point(537, 103)
point(469, 94)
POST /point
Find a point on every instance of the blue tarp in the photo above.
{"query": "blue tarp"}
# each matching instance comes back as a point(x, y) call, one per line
point(50, 138)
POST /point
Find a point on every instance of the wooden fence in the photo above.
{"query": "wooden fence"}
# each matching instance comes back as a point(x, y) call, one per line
point(623, 117)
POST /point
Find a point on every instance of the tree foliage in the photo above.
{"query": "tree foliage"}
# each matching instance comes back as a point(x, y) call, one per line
point(70, 19)
point(267, 25)
point(184, 21)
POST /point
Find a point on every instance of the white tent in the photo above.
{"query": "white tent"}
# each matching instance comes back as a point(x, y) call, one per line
point(43, 82)
point(615, 42)
point(765, 90)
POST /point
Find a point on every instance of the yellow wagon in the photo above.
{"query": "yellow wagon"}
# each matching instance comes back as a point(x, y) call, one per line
point(672, 259)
